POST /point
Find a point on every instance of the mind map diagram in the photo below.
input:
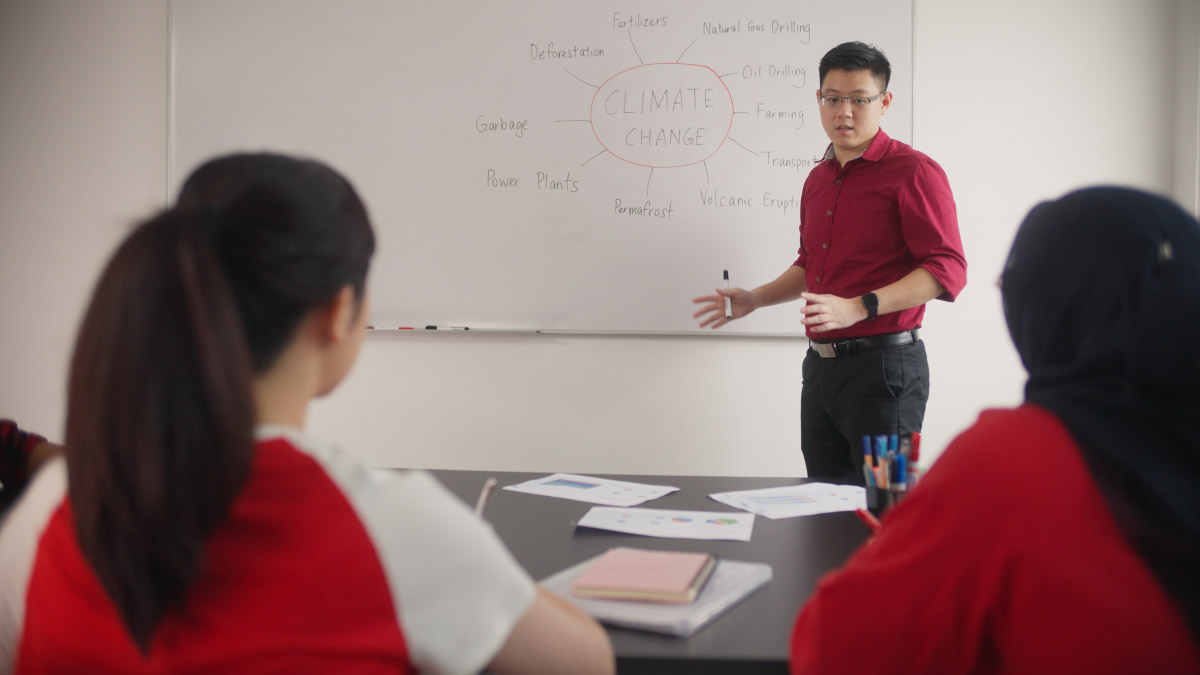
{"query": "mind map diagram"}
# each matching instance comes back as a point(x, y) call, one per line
point(648, 115)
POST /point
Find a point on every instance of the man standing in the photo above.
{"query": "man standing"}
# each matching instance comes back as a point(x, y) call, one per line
point(878, 239)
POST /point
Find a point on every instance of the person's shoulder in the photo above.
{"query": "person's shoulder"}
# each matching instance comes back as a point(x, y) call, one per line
point(998, 429)
point(361, 483)
point(1025, 444)
point(998, 473)
point(277, 445)
point(899, 153)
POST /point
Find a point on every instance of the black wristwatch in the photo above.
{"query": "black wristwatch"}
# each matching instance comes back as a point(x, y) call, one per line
point(871, 302)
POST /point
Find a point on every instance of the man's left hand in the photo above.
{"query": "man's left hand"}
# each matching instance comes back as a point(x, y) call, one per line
point(829, 312)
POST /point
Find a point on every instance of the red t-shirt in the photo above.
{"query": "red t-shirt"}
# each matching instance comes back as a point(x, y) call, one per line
point(872, 222)
point(322, 565)
point(1005, 559)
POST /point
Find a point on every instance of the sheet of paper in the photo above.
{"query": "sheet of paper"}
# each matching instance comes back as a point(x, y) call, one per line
point(604, 491)
point(670, 523)
point(796, 500)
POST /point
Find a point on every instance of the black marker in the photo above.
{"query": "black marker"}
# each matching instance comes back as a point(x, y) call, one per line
point(728, 302)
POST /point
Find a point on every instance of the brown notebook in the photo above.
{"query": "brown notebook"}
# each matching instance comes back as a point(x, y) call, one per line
point(645, 575)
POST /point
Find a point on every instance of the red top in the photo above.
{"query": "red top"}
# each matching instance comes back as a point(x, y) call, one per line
point(873, 221)
point(252, 609)
point(321, 566)
point(1004, 559)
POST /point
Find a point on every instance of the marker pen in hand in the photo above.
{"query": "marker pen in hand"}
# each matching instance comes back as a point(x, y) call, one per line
point(728, 302)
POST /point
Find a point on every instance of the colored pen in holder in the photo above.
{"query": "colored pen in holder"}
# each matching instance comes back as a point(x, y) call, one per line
point(890, 467)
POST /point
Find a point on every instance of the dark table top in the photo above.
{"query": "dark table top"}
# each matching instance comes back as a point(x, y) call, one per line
point(752, 637)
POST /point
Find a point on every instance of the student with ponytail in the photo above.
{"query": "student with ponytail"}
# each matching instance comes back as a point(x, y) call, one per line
point(195, 528)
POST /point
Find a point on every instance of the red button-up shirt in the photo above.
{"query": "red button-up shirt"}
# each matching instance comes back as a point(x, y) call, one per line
point(872, 222)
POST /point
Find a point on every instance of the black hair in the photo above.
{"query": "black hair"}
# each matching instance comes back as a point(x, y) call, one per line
point(857, 56)
point(193, 304)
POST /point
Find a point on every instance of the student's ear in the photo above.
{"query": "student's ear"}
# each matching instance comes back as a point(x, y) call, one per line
point(336, 319)
point(886, 101)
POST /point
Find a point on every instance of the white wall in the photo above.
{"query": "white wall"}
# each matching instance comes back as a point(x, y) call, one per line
point(82, 153)
point(1187, 105)
point(1019, 102)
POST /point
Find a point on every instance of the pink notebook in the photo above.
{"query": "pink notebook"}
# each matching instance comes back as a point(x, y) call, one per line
point(640, 574)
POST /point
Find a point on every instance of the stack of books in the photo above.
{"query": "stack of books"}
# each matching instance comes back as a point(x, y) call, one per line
point(648, 576)
point(672, 592)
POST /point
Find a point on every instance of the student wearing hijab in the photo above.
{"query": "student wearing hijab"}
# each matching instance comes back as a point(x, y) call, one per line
point(1063, 535)
point(194, 527)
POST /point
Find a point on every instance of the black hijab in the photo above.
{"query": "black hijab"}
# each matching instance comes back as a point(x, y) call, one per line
point(1102, 297)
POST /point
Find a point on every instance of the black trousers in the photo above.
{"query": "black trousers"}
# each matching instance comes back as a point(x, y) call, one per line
point(867, 394)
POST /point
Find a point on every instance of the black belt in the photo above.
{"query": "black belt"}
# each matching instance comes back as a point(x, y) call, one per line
point(830, 350)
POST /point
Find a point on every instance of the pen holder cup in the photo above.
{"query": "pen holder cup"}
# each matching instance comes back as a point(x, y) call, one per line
point(879, 500)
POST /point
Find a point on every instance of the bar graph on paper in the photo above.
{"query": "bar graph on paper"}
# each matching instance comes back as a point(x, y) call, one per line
point(796, 500)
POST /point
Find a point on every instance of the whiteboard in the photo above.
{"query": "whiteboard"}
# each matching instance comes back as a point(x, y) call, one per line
point(539, 165)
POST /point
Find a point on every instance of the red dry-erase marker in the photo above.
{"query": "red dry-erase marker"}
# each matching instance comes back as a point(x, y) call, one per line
point(869, 519)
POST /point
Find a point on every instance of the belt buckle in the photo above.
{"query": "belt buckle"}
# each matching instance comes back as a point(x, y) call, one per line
point(823, 349)
point(844, 347)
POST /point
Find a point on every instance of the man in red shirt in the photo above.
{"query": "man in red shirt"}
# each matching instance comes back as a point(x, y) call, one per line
point(878, 239)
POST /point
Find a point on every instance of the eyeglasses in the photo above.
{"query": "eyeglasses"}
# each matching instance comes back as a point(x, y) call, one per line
point(856, 102)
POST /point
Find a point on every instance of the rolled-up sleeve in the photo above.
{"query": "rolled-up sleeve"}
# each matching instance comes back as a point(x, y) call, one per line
point(929, 219)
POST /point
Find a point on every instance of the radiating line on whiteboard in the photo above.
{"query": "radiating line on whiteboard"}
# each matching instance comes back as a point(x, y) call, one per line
point(635, 51)
point(741, 146)
point(593, 157)
point(707, 178)
point(648, 181)
point(686, 49)
point(581, 80)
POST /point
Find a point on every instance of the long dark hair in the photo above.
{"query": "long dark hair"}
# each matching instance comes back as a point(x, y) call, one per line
point(194, 303)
